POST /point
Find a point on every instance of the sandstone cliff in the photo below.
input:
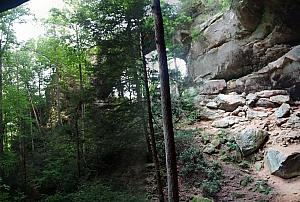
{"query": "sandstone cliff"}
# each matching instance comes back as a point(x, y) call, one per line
point(243, 45)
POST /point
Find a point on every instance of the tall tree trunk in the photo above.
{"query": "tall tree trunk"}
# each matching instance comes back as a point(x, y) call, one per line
point(172, 176)
point(58, 91)
point(80, 126)
point(151, 127)
point(1, 104)
point(78, 156)
point(22, 132)
point(81, 131)
point(34, 110)
point(31, 134)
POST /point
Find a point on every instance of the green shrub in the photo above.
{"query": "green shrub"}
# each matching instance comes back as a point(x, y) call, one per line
point(189, 110)
point(96, 192)
point(199, 172)
point(196, 34)
point(262, 187)
point(183, 139)
point(202, 199)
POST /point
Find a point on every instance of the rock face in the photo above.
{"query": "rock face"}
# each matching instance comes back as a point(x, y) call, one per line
point(243, 45)
point(229, 102)
point(211, 87)
point(282, 73)
point(283, 165)
point(250, 139)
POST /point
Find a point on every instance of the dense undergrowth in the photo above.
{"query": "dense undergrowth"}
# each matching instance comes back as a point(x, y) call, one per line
point(95, 192)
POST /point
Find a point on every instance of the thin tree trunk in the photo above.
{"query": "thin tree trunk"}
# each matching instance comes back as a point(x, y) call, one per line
point(80, 132)
point(58, 90)
point(22, 131)
point(31, 134)
point(34, 110)
point(172, 176)
point(1, 104)
point(151, 128)
point(78, 156)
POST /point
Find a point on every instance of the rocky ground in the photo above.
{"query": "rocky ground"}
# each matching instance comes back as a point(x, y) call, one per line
point(266, 123)
point(265, 127)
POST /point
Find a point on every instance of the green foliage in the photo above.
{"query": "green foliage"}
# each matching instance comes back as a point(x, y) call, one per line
point(94, 193)
point(262, 187)
point(9, 195)
point(4, 192)
point(196, 34)
point(188, 107)
point(246, 181)
point(238, 195)
point(8, 163)
point(183, 140)
point(192, 7)
point(199, 172)
point(202, 199)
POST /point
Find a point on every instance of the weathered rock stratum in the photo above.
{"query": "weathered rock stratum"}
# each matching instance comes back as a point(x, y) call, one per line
point(252, 46)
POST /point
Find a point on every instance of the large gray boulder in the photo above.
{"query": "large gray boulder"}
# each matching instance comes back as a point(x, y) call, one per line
point(279, 99)
point(209, 114)
point(283, 111)
point(253, 114)
point(250, 139)
point(265, 102)
point(226, 121)
point(293, 121)
point(229, 102)
point(284, 165)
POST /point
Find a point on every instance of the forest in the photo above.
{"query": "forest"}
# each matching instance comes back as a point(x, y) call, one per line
point(91, 111)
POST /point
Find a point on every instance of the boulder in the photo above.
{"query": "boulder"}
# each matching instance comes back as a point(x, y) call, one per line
point(279, 99)
point(280, 121)
point(283, 111)
point(253, 114)
point(250, 139)
point(229, 102)
point(209, 114)
point(226, 122)
point(270, 93)
point(284, 165)
point(202, 100)
point(293, 121)
point(251, 98)
point(212, 105)
point(212, 87)
point(239, 110)
point(265, 102)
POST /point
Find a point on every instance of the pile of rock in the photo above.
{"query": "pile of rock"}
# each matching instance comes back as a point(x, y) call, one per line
point(254, 119)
